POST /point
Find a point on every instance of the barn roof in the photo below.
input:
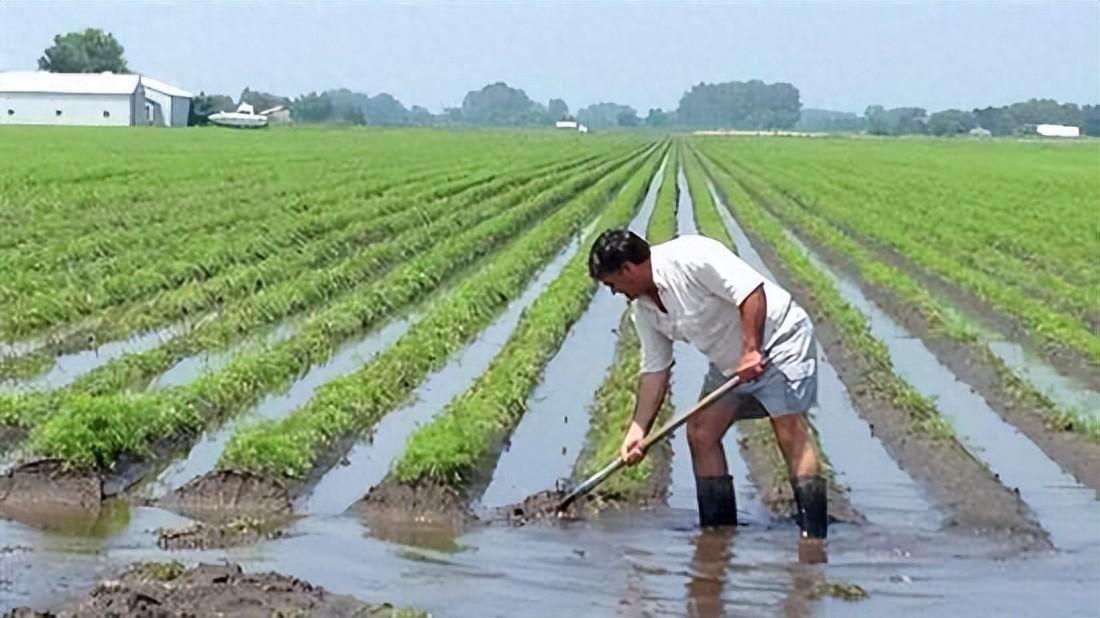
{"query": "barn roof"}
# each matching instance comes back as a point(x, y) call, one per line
point(168, 89)
point(69, 83)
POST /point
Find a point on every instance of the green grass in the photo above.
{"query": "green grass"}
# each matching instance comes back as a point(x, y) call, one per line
point(355, 402)
point(452, 448)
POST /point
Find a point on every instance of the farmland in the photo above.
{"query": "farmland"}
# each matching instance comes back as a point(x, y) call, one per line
point(364, 346)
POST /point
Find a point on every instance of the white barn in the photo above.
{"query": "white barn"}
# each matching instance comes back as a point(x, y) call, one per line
point(94, 99)
point(165, 104)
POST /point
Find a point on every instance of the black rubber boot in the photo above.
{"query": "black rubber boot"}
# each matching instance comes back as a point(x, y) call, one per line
point(717, 503)
point(813, 517)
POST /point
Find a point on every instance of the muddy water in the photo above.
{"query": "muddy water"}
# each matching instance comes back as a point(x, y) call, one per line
point(205, 453)
point(880, 489)
point(622, 564)
point(1064, 507)
point(544, 447)
point(68, 367)
point(368, 462)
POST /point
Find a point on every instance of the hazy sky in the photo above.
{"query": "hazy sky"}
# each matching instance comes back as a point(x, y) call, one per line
point(646, 54)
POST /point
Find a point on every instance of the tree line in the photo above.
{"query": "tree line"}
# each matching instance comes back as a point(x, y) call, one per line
point(748, 105)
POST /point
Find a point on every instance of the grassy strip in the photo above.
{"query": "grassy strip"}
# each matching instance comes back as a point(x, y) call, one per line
point(135, 370)
point(91, 437)
point(612, 408)
point(611, 413)
point(314, 288)
point(453, 448)
point(42, 302)
point(662, 225)
point(756, 434)
point(254, 284)
point(923, 417)
point(940, 318)
point(293, 446)
point(1000, 290)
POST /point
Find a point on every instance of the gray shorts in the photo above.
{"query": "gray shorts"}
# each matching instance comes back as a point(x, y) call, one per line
point(775, 393)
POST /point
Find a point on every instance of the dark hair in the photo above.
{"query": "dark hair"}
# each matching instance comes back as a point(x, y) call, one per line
point(613, 249)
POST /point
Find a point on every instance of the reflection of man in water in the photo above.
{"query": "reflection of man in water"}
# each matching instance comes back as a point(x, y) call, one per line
point(696, 290)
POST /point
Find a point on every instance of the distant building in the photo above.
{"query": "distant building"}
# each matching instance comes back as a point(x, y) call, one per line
point(980, 132)
point(566, 124)
point(95, 99)
point(277, 114)
point(165, 104)
point(1058, 130)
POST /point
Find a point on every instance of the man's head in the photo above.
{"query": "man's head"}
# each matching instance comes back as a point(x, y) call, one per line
point(620, 260)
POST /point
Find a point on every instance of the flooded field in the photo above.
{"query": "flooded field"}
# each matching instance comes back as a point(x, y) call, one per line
point(465, 394)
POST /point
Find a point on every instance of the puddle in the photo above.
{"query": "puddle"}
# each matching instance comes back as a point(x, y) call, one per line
point(644, 563)
point(878, 487)
point(67, 368)
point(1061, 505)
point(369, 462)
point(192, 368)
point(204, 455)
point(544, 447)
point(1066, 392)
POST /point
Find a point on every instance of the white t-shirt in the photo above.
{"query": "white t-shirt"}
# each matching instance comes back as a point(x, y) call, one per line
point(702, 283)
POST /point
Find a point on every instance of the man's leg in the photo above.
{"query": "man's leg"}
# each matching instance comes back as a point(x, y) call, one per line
point(713, 484)
point(793, 435)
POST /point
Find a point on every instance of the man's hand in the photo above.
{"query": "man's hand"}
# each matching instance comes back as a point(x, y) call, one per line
point(751, 366)
point(631, 451)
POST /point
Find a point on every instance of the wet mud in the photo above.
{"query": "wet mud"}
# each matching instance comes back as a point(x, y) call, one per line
point(221, 496)
point(234, 533)
point(169, 589)
point(426, 501)
point(46, 486)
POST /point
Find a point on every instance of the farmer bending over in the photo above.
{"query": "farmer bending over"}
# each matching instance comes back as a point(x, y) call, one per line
point(696, 290)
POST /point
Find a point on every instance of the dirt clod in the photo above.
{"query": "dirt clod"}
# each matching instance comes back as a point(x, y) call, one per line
point(225, 495)
point(239, 531)
point(150, 589)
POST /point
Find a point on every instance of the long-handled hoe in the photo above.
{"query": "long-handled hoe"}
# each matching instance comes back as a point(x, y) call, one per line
point(655, 436)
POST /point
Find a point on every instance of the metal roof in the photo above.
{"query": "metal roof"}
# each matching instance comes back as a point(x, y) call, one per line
point(83, 83)
point(168, 89)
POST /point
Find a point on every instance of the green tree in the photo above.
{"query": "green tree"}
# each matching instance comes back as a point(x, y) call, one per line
point(557, 110)
point(311, 107)
point(1090, 119)
point(384, 109)
point(499, 104)
point(91, 51)
point(262, 100)
point(996, 120)
point(659, 118)
point(606, 115)
point(205, 104)
point(951, 122)
point(740, 105)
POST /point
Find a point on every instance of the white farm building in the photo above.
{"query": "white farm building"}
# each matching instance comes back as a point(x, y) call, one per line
point(97, 99)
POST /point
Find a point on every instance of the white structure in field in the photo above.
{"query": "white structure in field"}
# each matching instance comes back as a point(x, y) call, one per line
point(165, 104)
point(571, 125)
point(1058, 130)
point(97, 99)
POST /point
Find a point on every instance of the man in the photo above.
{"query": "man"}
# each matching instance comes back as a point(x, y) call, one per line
point(696, 290)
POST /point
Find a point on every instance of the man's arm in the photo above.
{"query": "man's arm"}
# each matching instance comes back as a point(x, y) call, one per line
point(652, 388)
point(753, 311)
